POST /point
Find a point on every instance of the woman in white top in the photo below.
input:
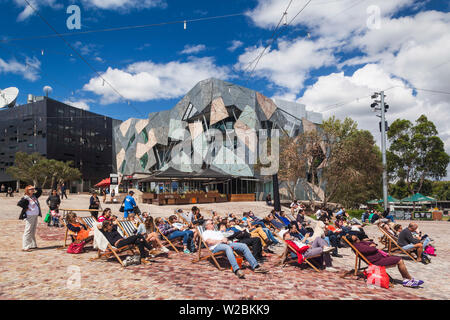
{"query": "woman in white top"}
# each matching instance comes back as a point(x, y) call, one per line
point(31, 210)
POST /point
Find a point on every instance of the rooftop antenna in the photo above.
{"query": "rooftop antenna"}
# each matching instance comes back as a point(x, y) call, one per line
point(8, 97)
point(47, 90)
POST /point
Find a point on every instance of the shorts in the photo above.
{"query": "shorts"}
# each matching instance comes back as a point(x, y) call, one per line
point(126, 212)
point(408, 246)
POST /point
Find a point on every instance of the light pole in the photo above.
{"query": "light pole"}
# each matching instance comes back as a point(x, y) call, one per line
point(379, 105)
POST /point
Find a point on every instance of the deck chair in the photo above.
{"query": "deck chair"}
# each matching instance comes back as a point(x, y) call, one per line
point(358, 256)
point(209, 254)
point(182, 219)
point(393, 245)
point(106, 250)
point(128, 227)
point(307, 260)
point(89, 221)
point(166, 240)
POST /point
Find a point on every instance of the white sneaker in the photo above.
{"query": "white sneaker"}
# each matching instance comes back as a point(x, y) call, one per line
point(327, 249)
point(331, 269)
point(164, 249)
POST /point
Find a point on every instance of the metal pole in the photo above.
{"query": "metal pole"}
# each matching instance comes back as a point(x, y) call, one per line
point(383, 152)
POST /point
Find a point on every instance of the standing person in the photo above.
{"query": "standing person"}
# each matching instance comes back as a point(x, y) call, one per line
point(31, 210)
point(63, 191)
point(53, 201)
point(129, 204)
point(2, 189)
point(94, 203)
point(104, 195)
point(269, 200)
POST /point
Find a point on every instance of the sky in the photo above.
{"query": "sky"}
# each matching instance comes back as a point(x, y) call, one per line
point(331, 56)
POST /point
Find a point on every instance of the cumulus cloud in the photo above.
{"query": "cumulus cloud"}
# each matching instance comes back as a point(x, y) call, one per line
point(124, 4)
point(146, 80)
point(192, 49)
point(28, 70)
point(80, 104)
point(28, 11)
point(234, 45)
point(288, 65)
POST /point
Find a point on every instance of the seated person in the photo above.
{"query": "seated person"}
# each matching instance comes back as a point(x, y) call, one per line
point(282, 217)
point(408, 242)
point(301, 218)
point(171, 233)
point(374, 217)
point(106, 215)
point(387, 215)
point(318, 248)
point(242, 236)
point(254, 232)
point(365, 216)
point(269, 200)
point(81, 231)
point(216, 217)
point(110, 232)
point(148, 230)
point(217, 242)
point(271, 219)
point(188, 216)
point(197, 218)
point(253, 222)
point(369, 250)
point(173, 221)
point(294, 207)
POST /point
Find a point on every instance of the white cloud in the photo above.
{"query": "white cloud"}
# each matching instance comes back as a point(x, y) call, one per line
point(289, 65)
point(192, 49)
point(80, 104)
point(28, 11)
point(146, 80)
point(234, 45)
point(124, 4)
point(28, 70)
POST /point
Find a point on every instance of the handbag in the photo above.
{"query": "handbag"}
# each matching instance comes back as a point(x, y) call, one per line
point(376, 275)
point(47, 217)
point(76, 248)
point(136, 210)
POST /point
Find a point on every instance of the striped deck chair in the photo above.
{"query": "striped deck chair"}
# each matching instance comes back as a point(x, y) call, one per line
point(182, 219)
point(128, 227)
point(285, 259)
point(209, 254)
point(166, 241)
point(393, 245)
point(89, 221)
point(106, 250)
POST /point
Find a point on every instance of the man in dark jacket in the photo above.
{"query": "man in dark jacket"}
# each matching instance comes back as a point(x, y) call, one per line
point(408, 242)
point(53, 201)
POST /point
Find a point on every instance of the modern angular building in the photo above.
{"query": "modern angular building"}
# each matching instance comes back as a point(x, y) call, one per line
point(61, 132)
point(177, 140)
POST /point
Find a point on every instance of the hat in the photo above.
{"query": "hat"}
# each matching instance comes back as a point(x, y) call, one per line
point(282, 232)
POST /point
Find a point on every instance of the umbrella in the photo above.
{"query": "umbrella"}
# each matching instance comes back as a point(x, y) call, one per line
point(390, 199)
point(417, 198)
point(104, 183)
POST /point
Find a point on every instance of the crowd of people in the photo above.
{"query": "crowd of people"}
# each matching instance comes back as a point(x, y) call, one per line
point(254, 238)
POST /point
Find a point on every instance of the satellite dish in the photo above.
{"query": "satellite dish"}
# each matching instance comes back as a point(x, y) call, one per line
point(8, 97)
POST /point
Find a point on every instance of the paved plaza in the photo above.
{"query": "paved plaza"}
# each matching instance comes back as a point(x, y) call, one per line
point(50, 272)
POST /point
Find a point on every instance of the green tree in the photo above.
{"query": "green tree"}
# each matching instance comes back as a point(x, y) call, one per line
point(416, 153)
point(40, 171)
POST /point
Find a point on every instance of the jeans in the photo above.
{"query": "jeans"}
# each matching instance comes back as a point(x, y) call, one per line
point(126, 212)
point(255, 246)
point(187, 237)
point(239, 247)
point(426, 242)
point(364, 217)
point(270, 235)
point(390, 218)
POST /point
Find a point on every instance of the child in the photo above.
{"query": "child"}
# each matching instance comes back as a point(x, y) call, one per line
point(55, 217)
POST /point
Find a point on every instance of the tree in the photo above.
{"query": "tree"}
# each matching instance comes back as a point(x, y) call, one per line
point(37, 170)
point(416, 153)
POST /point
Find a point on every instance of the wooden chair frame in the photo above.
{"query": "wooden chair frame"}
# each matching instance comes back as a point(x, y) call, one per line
point(392, 242)
point(358, 256)
point(290, 248)
point(209, 254)
point(167, 240)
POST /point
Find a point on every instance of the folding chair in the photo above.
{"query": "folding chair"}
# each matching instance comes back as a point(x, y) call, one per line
point(180, 216)
point(106, 250)
point(393, 242)
point(89, 221)
point(358, 257)
point(128, 227)
point(164, 238)
point(67, 232)
point(307, 260)
point(210, 254)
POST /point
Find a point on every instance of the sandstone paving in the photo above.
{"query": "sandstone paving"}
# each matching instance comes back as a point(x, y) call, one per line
point(48, 273)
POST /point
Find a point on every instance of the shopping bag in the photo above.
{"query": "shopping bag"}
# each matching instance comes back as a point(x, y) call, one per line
point(47, 217)
point(376, 275)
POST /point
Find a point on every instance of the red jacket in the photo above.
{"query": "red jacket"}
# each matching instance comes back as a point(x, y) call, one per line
point(298, 251)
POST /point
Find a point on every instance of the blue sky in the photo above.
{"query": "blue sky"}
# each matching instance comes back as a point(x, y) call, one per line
point(331, 57)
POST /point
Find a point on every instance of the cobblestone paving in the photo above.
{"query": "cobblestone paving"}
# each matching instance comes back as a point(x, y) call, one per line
point(46, 273)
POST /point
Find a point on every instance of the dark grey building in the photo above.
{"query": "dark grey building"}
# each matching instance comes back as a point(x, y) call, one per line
point(61, 132)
